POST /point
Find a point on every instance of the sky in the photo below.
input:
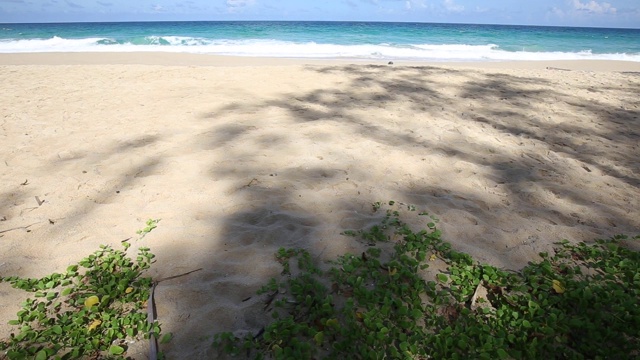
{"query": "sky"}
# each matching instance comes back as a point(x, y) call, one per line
point(610, 13)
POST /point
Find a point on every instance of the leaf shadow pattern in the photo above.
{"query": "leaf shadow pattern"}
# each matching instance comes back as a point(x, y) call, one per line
point(512, 134)
point(77, 170)
point(481, 150)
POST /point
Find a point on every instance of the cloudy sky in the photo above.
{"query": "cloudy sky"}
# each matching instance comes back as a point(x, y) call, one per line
point(610, 13)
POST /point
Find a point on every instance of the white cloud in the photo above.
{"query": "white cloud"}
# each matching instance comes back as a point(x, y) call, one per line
point(74, 5)
point(156, 8)
point(594, 7)
point(554, 11)
point(415, 4)
point(234, 6)
point(351, 3)
point(453, 7)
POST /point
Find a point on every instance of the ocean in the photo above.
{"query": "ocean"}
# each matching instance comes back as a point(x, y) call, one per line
point(346, 40)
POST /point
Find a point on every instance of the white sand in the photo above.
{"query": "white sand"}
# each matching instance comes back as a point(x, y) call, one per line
point(239, 159)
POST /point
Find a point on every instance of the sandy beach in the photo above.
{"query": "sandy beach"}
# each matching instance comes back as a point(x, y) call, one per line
point(241, 156)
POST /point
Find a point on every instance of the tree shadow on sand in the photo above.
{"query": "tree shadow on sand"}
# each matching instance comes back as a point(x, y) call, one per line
point(509, 164)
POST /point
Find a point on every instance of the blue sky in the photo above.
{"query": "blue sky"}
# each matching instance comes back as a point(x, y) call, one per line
point(610, 13)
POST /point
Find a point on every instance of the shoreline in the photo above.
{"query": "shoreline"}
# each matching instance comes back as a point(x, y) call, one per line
point(189, 59)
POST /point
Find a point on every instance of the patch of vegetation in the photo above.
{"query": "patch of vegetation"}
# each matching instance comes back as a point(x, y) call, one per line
point(93, 310)
point(150, 225)
point(411, 296)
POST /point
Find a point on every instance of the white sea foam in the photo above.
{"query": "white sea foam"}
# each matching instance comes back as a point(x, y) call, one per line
point(54, 44)
point(277, 48)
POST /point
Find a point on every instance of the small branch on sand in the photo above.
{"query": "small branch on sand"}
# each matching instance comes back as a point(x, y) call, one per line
point(251, 182)
point(177, 276)
point(40, 202)
point(19, 227)
point(152, 314)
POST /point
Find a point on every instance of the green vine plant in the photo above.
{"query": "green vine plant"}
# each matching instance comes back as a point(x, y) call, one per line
point(150, 225)
point(410, 295)
point(91, 311)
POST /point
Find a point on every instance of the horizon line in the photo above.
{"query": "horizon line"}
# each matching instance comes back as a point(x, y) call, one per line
point(317, 21)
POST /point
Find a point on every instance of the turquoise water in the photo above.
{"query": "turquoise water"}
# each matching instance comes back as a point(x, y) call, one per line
point(360, 40)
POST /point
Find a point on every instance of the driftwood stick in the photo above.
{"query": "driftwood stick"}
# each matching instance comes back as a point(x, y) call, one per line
point(19, 227)
point(152, 314)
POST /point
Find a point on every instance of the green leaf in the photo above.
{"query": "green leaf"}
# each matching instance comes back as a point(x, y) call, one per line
point(404, 346)
point(416, 313)
point(66, 291)
point(318, 338)
point(502, 354)
point(462, 343)
point(116, 350)
point(41, 355)
point(166, 338)
point(442, 277)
